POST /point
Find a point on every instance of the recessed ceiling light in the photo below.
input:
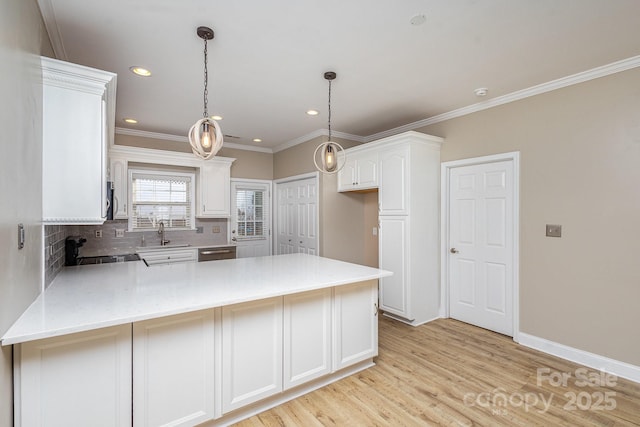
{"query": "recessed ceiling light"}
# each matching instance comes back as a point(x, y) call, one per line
point(132, 121)
point(216, 117)
point(312, 112)
point(418, 20)
point(140, 71)
point(481, 91)
point(257, 140)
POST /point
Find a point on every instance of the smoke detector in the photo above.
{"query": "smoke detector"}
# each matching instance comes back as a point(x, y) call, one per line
point(481, 91)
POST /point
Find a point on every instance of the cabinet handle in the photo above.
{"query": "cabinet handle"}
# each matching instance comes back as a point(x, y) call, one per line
point(215, 252)
point(375, 309)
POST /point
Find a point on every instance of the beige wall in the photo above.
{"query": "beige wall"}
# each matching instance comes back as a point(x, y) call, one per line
point(248, 164)
point(580, 167)
point(22, 39)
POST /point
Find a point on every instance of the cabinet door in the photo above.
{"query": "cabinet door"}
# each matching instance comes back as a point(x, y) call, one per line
point(251, 352)
point(173, 370)
point(119, 179)
point(367, 171)
point(393, 234)
point(356, 323)
point(347, 175)
point(215, 183)
point(307, 336)
point(394, 182)
point(74, 184)
point(81, 379)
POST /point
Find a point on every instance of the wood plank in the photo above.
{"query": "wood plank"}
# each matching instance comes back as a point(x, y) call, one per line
point(450, 373)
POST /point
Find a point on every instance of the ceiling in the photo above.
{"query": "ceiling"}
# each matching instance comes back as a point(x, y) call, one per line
point(267, 60)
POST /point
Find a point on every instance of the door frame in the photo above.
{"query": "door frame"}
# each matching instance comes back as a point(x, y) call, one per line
point(445, 169)
point(276, 182)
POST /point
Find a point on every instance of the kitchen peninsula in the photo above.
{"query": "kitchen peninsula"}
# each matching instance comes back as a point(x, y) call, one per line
point(190, 343)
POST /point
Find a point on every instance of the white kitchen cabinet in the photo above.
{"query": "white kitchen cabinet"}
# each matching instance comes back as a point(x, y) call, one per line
point(360, 171)
point(409, 237)
point(168, 256)
point(307, 336)
point(251, 352)
point(214, 187)
point(81, 379)
point(355, 332)
point(393, 197)
point(173, 370)
point(78, 123)
point(119, 177)
point(394, 234)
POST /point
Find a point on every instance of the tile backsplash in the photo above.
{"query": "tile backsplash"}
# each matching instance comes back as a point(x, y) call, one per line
point(54, 236)
point(214, 232)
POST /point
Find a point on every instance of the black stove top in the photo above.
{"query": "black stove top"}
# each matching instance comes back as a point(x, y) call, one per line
point(106, 259)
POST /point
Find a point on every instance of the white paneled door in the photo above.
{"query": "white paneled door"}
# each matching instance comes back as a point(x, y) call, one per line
point(297, 216)
point(481, 245)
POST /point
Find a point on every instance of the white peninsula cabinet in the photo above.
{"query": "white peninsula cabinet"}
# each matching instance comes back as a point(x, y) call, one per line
point(82, 379)
point(77, 125)
point(173, 370)
point(208, 367)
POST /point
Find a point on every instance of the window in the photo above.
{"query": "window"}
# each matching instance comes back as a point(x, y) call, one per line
point(161, 196)
point(252, 212)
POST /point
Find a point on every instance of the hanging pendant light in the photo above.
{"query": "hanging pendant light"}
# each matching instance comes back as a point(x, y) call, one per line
point(326, 158)
point(205, 136)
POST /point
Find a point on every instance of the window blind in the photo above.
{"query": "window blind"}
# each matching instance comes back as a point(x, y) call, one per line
point(162, 197)
point(252, 213)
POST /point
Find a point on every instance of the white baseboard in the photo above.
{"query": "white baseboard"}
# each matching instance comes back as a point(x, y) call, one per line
point(595, 361)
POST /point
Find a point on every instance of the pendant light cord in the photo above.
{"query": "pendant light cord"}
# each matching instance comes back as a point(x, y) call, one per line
point(206, 81)
point(329, 110)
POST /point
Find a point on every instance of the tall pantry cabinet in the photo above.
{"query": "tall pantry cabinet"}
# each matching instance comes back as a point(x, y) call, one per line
point(409, 227)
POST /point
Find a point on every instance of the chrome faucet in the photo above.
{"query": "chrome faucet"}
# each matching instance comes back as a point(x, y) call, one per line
point(161, 233)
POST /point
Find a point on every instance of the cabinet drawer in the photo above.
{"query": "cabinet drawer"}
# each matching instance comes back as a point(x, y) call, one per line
point(169, 256)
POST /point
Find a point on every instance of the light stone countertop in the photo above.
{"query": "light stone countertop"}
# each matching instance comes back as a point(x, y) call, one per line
point(89, 297)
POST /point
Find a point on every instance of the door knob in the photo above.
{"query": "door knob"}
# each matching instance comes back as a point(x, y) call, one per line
point(234, 239)
point(454, 251)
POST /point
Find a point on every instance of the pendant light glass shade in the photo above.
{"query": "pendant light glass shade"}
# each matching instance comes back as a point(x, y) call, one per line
point(205, 136)
point(329, 156)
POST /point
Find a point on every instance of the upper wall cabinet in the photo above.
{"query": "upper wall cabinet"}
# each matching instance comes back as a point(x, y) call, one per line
point(78, 122)
point(213, 178)
point(360, 171)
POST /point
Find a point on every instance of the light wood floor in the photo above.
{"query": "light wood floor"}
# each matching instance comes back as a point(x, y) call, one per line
point(451, 373)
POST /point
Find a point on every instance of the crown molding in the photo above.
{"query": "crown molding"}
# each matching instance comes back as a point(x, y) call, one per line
point(51, 24)
point(178, 138)
point(603, 71)
point(316, 133)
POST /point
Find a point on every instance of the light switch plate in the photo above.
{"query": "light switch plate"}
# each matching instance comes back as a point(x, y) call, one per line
point(119, 232)
point(215, 229)
point(554, 230)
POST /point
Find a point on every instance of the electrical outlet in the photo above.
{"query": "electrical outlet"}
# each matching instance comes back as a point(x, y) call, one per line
point(119, 232)
point(216, 229)
point(98, 234)
point(554, 230)
point(375, 231)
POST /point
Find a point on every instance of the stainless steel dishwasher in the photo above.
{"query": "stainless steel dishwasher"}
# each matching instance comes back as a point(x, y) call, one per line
point(217, 253)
